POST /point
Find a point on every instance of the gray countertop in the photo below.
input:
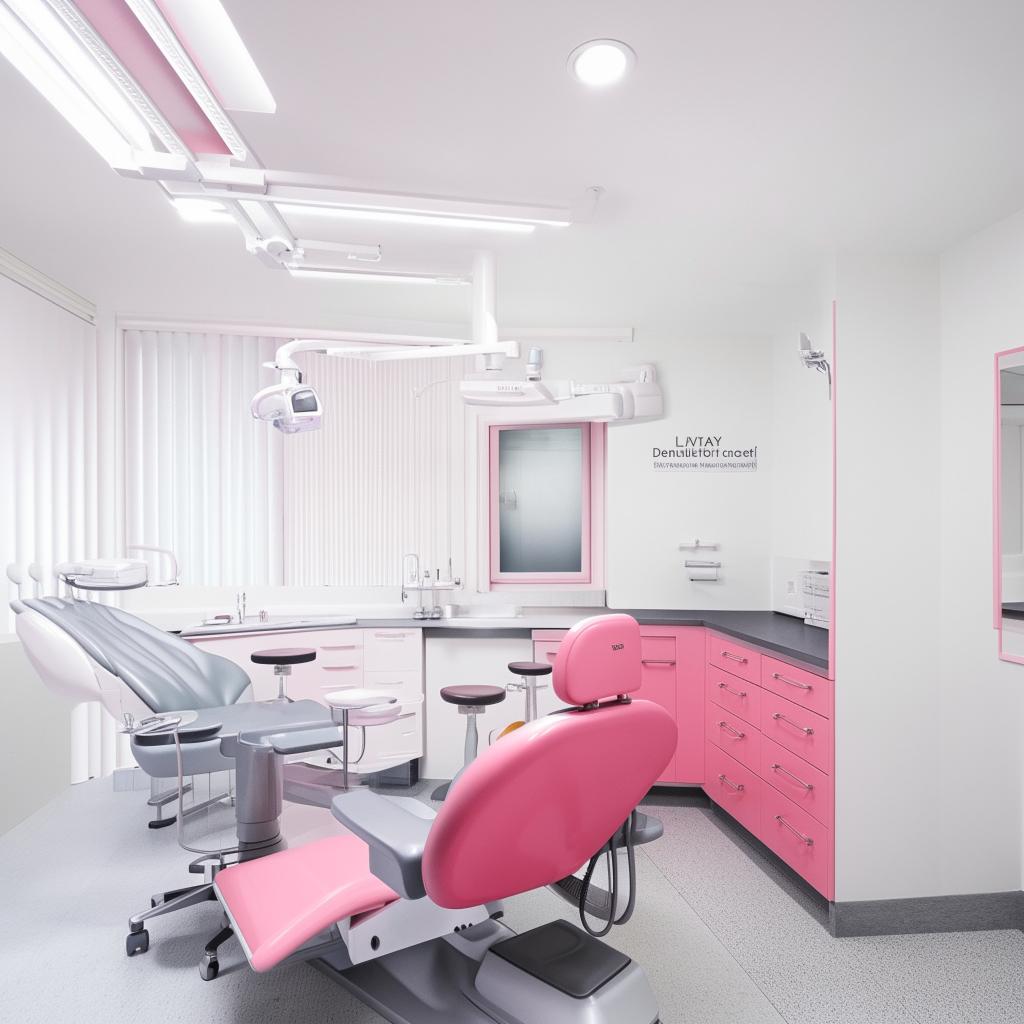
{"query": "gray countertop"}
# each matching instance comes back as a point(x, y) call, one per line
point(771, 631)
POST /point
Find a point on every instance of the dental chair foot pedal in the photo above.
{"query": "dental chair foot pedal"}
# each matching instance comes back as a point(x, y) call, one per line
point(559, 972)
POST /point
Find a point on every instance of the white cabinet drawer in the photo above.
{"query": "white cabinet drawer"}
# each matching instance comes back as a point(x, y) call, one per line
point(394, 743)
point(392, 650)
point(406, 685)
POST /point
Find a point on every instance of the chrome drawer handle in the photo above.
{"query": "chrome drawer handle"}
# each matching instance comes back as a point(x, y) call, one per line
point(728, 728)
point(792, 682)
point(738, 786)
point(339, 668)
point(655, 661)
point(800, 782)
point(728, 689)
point(806, 840)
point(734, 657)
point(805, 729)
point(391, 636)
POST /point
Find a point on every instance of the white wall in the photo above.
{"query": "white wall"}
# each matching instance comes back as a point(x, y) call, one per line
point(982, 313)
point(801, 506)
point(928, 751)
point(713, 385)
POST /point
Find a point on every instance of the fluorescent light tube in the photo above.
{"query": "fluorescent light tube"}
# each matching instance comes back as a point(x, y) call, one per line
point(202, 211)
point(393, 217)
point(207, 32)
point(330, 274)
point(37, 64)
point(68, 53)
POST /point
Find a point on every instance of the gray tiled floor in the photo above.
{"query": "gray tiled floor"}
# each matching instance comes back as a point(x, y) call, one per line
point(724, 937)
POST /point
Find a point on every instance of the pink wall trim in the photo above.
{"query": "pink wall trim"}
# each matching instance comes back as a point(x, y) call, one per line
point(132, 45)
point(832, 588)
point(997, 508)
point(593, 559)
point(830, 885)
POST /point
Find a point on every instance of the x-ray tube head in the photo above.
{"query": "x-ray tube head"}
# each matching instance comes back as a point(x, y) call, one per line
point(291, 407)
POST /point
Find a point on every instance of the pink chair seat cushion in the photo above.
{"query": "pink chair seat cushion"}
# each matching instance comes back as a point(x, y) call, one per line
point(278, 903)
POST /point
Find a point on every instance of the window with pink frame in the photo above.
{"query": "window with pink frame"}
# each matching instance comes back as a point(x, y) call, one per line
point(546, 505)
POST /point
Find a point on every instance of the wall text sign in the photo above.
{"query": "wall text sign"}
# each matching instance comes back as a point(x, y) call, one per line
point(706, 453)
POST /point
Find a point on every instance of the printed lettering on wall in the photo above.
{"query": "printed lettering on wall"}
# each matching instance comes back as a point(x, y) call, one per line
point(706, 453)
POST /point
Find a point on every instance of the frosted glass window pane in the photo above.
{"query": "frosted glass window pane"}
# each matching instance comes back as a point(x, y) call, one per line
point(540, 500)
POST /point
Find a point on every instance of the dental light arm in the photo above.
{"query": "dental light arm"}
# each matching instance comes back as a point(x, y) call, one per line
point(293, 406)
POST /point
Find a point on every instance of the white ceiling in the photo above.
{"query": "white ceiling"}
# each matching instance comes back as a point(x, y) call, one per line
point(752, 140)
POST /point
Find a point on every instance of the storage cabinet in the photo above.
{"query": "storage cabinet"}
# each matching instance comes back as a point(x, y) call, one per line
point(388, 660)
point(769, 729)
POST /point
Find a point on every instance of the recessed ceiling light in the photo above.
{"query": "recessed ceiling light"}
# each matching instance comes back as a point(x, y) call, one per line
point(601, 61)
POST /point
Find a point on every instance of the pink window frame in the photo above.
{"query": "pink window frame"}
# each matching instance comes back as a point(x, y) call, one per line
point(593, 501)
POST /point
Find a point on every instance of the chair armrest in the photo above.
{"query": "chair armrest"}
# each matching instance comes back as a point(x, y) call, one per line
point(396, 833)
point(304, 740)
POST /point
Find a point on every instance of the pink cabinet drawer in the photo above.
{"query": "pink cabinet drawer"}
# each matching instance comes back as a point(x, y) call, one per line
point(734, 658)
point(735, 695)
point(738, 738)
point(800, 840)
point(798, 685)
point(797, 729)
point(794, 777)
point(733, 786)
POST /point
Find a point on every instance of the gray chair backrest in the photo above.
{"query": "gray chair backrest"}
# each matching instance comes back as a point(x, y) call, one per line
point(165, 672)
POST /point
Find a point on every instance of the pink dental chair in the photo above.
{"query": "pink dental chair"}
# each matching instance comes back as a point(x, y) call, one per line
point(405, 911)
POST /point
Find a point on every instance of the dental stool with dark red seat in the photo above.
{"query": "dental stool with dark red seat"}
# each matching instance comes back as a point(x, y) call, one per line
point(471, 701)
point(404, 910)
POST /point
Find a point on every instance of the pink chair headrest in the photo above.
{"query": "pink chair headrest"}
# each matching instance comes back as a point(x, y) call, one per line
point(598, 658)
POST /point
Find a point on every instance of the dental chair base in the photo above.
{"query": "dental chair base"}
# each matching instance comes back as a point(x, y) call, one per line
point(487, 974)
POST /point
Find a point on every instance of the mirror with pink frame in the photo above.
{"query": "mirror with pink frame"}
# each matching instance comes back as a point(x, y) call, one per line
point(1009, 504)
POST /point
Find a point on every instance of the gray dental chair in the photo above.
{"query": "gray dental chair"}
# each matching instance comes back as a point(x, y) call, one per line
point(86, 651)
point(189, 714)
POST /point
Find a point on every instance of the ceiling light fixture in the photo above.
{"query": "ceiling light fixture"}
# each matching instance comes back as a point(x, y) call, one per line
point(213, 43)
point(392, 217)
point(601, 62)
point(41, 47)
point(202, 211)
point(339, 274)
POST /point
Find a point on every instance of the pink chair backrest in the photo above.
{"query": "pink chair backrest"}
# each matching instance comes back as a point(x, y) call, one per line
point(598, 658)
point(539, 803)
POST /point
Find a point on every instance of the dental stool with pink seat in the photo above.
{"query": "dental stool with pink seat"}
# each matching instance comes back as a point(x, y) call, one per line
point(405, 911)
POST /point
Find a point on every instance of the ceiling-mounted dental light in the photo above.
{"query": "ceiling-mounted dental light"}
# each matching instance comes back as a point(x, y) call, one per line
point(814, 359)
point(601, 62)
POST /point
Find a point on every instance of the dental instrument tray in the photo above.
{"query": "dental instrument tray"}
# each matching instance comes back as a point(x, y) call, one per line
point(103, 574)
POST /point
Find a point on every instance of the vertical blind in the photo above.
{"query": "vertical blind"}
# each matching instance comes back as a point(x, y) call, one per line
point(202, 477)
point(51, 505)
point(239, 503)
point(376, 481)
